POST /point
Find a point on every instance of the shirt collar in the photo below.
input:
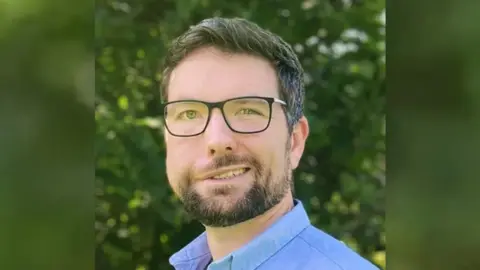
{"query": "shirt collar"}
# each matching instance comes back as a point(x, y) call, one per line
point(251, 255)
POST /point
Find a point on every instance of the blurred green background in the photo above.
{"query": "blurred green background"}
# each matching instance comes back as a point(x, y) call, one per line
point(341, 179)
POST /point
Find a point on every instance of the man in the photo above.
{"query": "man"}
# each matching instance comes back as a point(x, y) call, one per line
point(235, 130)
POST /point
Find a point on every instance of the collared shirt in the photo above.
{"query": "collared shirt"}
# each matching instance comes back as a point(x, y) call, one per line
point(290, 243)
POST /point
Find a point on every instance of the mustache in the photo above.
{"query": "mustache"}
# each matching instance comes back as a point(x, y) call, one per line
point(231, 160)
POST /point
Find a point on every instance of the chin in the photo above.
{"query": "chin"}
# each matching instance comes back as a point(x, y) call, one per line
point(225, 200)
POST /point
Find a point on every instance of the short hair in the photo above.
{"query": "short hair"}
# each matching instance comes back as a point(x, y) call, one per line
point(237, 35)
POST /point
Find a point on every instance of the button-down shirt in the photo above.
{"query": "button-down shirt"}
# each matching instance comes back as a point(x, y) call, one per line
point(290, 243)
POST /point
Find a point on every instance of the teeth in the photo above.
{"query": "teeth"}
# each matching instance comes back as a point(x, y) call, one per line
point(229, 174)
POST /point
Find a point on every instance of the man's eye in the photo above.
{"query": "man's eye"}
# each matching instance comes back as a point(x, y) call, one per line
point(190, 114)
point(248, 111)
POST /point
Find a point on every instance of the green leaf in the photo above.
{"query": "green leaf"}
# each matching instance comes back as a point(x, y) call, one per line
point(123, 103)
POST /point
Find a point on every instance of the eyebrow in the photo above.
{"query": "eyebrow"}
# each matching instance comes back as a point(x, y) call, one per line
point(183, 98)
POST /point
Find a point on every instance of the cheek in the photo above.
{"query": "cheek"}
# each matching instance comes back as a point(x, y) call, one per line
point(179, 159)
point(270, 151)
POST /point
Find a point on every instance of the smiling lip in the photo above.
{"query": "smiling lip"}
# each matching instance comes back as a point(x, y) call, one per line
point(227, 172)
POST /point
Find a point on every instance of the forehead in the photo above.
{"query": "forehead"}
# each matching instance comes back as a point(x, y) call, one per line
point(211, 75)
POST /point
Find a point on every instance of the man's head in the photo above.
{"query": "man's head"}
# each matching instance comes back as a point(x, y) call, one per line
point(234, 120)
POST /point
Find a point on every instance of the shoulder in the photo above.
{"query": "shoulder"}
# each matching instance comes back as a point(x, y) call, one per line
point(325, 248)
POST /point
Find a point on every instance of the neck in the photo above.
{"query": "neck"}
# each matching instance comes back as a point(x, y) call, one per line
point(223, 241)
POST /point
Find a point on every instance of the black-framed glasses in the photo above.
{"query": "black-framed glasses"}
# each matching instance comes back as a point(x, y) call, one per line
point(250, 114)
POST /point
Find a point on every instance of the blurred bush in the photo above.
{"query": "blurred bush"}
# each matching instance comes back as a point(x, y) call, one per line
point(46, 134)
point(341, 180)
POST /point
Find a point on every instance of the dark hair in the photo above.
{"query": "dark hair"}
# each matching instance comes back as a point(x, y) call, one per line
point(237, 35)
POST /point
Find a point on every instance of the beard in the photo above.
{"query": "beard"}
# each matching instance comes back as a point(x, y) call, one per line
point(263, 195)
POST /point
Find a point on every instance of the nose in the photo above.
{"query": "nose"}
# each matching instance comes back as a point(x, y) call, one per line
point(219, 138)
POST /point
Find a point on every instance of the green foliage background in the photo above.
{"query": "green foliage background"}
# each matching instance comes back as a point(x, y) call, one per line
point(341, 179)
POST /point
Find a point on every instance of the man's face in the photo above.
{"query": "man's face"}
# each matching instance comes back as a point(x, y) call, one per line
point(258, 166)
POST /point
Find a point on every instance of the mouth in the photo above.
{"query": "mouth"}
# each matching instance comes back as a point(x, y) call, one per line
point(230, 174)
point(227, 174)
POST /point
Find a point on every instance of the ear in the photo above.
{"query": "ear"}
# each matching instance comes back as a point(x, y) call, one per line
point(298, 138)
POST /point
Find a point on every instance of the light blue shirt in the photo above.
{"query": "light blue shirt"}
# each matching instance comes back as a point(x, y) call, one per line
point(290, 243)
